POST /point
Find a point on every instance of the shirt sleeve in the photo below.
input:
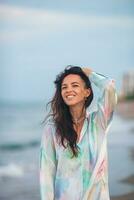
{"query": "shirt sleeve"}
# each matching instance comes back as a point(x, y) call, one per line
point(47, 164)
point(108, 98)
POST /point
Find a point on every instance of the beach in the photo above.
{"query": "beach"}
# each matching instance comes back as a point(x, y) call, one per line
point(19, 154)
point(129, 196)
point(125, 110)
point(124, 197)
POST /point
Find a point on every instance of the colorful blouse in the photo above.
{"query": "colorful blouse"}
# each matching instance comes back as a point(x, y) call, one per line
point(84, 177)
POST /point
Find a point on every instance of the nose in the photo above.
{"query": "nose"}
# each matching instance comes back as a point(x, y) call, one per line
point(69, 89)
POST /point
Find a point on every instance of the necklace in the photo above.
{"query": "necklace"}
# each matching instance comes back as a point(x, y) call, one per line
point(77, 121)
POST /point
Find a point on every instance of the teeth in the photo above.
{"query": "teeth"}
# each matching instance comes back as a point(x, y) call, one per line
point(70, 96)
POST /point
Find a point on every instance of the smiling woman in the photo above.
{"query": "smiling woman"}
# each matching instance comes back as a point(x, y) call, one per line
point(75, 94)
point(73, 155)
point(74, 90)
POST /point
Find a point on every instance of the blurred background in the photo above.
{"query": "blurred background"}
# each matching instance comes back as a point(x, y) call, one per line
point(38, 39)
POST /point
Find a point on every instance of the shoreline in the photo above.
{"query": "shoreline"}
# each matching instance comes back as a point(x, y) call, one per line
point(129, 196)
point(125, 109)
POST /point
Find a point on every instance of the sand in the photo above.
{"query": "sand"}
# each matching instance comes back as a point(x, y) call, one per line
point(126, 109)
point(129, 196)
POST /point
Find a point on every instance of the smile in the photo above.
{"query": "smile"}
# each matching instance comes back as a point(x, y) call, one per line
point(69, 97)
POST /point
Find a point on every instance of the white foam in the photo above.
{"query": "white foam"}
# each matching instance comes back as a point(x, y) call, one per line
point(11, 170)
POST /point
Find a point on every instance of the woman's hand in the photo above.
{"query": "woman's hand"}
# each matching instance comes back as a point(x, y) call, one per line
point(87, 70)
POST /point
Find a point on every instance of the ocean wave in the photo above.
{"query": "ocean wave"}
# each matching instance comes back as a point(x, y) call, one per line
point(11, 170)
point(19, 146)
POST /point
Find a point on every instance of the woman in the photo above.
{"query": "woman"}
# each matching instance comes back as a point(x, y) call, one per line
point(73, 160)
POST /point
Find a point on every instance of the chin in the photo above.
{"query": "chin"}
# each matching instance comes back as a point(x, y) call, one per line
point(70, 104)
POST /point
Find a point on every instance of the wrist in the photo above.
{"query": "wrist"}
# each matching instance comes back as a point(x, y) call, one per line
point(87, 70)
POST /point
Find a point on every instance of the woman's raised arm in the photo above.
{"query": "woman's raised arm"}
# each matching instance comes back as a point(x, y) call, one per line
point(108, 98)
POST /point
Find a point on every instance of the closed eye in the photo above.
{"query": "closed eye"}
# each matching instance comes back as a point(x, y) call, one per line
point(63, 87)
point(75, 85)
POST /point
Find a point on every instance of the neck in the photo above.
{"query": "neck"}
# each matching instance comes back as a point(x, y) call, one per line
point(78, 113)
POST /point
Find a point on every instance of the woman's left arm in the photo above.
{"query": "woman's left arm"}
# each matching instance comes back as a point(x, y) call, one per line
point(108, 98)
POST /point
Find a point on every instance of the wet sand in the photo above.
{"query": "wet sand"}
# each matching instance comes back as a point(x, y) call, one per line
point(129, 196)
point(126, 110)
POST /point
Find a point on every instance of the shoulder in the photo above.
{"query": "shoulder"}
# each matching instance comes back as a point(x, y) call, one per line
point(48, 130)
point(49, 121)
point(48, 124)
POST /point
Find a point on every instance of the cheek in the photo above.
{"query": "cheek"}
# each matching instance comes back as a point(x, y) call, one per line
point(62, 94)
point(80, 96)
point(82, 92)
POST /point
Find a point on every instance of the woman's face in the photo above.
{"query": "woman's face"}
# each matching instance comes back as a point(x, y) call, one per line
point(73, 90)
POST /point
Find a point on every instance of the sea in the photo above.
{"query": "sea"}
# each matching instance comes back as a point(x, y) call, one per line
point(21, 129)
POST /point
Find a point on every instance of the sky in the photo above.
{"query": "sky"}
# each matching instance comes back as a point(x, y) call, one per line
point(38, 39)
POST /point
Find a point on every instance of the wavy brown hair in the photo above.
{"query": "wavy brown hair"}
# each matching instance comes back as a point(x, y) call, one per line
point(61, 113)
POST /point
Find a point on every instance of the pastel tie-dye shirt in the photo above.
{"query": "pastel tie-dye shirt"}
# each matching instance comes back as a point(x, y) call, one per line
point(84, 177)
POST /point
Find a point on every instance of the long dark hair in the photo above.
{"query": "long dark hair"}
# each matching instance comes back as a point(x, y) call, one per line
point(61, 113)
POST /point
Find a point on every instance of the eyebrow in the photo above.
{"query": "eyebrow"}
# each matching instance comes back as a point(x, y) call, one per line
point(71, 83)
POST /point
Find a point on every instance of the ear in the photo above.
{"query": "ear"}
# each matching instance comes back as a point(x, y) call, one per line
point(87, 92)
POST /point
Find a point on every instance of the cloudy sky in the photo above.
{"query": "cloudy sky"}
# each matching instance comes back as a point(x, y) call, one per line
point(39, 38)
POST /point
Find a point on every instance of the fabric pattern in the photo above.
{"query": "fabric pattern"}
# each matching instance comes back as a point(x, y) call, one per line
point(84, 177)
